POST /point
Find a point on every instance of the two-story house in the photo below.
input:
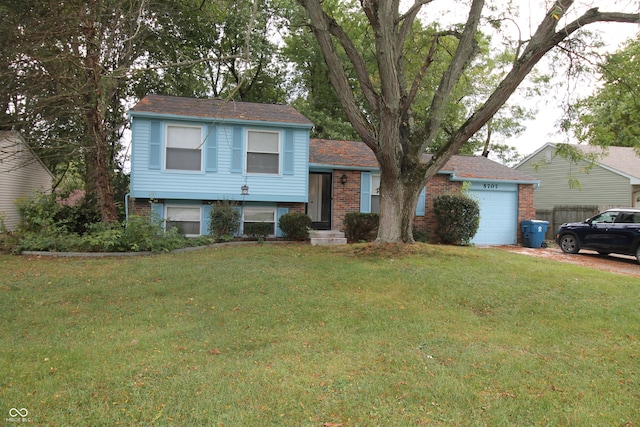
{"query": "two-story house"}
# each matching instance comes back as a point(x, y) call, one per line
point(188, 153)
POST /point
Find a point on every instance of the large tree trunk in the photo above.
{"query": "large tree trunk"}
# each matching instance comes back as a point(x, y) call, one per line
point(98, 89)
point(398, 200)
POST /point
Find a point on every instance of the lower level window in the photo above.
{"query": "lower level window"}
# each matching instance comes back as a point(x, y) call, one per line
point(259, 215)
point(185, 219)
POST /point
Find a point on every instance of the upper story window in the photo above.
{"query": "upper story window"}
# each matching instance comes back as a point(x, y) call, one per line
point(184, 148)
point(263, 152)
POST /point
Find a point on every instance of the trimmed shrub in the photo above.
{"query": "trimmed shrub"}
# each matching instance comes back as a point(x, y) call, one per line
point(224, 221)
point(420, 236)
point(258, 230)
point(458, 218)
point(360, 226)
point(295, 226)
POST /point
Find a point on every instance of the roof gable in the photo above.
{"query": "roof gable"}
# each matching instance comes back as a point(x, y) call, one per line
point(621, 160)
point(356, 154)
point(219, 109)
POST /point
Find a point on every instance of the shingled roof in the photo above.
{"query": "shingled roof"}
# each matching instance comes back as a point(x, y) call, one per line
point(355, 154)
point(219, 109)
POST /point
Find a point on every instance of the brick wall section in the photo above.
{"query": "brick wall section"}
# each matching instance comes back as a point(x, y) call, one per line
point(140, 207)
point(525, 207)
point(293, 207)
point(346, 197)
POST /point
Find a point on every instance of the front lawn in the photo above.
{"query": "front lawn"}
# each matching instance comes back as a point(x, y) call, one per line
point(288, 335)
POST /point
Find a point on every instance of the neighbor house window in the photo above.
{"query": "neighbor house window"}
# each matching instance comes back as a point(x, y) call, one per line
point(185, 218)
point(184, 148)
point(375, 193)
point(263, 152)
point(260, 214)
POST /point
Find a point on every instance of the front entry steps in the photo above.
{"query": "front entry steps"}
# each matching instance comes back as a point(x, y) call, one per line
point(327, 237)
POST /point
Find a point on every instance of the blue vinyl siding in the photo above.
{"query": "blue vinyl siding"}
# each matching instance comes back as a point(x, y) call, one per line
point(223, 174)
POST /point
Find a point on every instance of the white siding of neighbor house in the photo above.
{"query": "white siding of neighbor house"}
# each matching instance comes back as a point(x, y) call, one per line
point(21, 174)
point(599, 187)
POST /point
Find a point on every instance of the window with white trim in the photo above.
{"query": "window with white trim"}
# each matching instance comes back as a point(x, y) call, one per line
point(185, 218)
point(375, 193)
point(263, 152)
point(253, 214)
point(184, 148)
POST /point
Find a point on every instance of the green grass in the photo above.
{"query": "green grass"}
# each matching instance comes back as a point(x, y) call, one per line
point(294, 335)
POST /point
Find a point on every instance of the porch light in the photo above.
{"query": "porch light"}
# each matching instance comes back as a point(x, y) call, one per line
point(343, 179)
point(245, 190)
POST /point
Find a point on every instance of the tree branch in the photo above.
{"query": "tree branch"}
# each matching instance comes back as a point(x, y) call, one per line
point(320, 25)
point(544, 39)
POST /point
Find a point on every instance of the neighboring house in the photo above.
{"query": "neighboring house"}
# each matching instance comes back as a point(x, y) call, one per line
point(188, 153)
point(345, 176)
point(614, 180)
point(21, 174)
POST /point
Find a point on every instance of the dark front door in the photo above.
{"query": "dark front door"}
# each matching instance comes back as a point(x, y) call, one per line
point(319, 206)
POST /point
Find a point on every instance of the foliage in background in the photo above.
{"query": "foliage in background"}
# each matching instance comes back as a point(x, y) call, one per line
point(224, 220)
point(458, 218)
point(361, 227)
point(611, 116)
point(295, 226)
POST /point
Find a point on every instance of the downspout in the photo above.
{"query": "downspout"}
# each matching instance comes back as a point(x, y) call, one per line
point(126, 208)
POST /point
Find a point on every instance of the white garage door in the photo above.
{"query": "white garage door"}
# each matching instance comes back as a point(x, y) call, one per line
point(498, 214)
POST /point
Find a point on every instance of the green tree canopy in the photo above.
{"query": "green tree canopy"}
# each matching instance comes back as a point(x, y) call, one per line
point(611, 116)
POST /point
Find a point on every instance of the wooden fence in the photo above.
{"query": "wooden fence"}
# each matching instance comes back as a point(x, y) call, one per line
point(561, 214)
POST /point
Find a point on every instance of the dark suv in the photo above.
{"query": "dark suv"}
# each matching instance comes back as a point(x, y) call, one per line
point(612, 231)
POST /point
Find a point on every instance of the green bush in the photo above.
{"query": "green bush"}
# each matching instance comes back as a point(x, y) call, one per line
point(420, 236)
point(295, 226)
point(224, 220)
point(258, 230)
point(458, 218)
point(45, 212)
point(360, 226)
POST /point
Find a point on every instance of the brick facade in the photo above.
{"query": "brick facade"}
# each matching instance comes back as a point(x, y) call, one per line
point(346, 198)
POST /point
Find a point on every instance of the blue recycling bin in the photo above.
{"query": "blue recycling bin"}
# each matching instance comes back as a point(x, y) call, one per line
point(534, 231)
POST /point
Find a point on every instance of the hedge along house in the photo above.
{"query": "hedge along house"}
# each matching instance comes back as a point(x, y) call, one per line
point(188, 153)
point(345, 176)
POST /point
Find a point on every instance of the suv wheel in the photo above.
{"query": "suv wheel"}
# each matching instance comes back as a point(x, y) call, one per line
point(569, 244)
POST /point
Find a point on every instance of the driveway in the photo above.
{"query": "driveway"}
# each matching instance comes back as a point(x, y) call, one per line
point(621, 264)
